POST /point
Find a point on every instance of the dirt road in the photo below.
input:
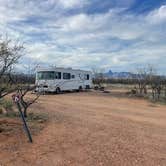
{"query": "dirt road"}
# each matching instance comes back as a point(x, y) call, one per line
point(91, 129)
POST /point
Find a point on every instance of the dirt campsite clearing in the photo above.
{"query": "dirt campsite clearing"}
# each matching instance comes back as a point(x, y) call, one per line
point(90, 128)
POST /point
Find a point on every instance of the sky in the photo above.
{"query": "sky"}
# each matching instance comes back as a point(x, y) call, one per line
point(121, 35)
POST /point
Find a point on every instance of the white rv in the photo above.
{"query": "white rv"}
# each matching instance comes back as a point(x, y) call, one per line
point(55, 79)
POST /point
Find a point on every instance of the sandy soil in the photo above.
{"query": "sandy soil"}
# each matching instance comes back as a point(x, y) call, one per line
point(91, 129)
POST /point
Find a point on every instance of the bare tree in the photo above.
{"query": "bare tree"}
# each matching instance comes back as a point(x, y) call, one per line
point(98, 75)
point(25, 103)
point(145, 76)
point(164, 87)
point(10, 53)
point(149, 83)
point(24, 89)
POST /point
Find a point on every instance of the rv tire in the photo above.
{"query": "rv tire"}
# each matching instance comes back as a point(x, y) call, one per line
point(80, 88)
point(58, 90)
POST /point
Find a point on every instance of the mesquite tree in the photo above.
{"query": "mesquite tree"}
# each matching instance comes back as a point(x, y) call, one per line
point(98, 77)
point(145, 76)
point(25, 103)
point(10, 53)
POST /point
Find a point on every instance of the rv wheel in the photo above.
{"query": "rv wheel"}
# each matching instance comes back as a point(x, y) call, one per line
point(58, 90)
point(80, 88)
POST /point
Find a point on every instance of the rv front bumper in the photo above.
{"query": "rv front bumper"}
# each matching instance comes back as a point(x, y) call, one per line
point(45, 88)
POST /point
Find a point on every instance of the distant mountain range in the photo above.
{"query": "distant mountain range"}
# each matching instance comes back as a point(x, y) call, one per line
point(118, 75)
point(125, 75)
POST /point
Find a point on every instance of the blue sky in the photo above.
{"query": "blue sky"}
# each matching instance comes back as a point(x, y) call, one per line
point(121, 35)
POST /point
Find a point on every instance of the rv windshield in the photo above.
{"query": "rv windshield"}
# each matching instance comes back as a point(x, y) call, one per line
point(46, 75)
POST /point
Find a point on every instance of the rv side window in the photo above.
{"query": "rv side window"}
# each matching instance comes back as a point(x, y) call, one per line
point(66, 76)
point(57, 75)
point(72, 76)
point(86, 76)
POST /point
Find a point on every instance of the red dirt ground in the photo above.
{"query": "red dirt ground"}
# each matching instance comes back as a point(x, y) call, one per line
point(91, 129)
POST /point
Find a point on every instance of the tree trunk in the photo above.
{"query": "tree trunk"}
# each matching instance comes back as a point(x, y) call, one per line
point(25, 112)
point(153, 94)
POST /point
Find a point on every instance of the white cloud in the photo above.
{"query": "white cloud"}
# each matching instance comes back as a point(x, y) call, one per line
point(158, 15)
point(73, 3)
point(126, 27)
point(109, 39)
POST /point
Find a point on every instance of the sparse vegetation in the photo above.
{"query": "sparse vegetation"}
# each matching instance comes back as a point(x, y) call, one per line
point(6, 107)
point(10, 53)
point(146, 84)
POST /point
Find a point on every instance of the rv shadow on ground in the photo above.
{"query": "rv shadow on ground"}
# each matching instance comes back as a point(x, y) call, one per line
point(65, 92)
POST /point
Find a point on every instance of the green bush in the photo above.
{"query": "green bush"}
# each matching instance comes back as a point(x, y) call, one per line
point(6, 104)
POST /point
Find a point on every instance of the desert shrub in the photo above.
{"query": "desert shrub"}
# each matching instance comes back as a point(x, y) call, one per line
point(7, 105)
point(133, 91)
point(37, 117)
point(13, 114)
point(1, 110)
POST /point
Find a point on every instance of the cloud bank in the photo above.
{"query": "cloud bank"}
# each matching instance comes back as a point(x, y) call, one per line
point(71, 33)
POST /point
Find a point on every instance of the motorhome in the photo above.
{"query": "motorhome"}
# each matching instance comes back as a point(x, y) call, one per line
point(54, 79)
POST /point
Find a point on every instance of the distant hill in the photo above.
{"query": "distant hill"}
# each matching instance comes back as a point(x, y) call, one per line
point(125, 75)
point(119, 75)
